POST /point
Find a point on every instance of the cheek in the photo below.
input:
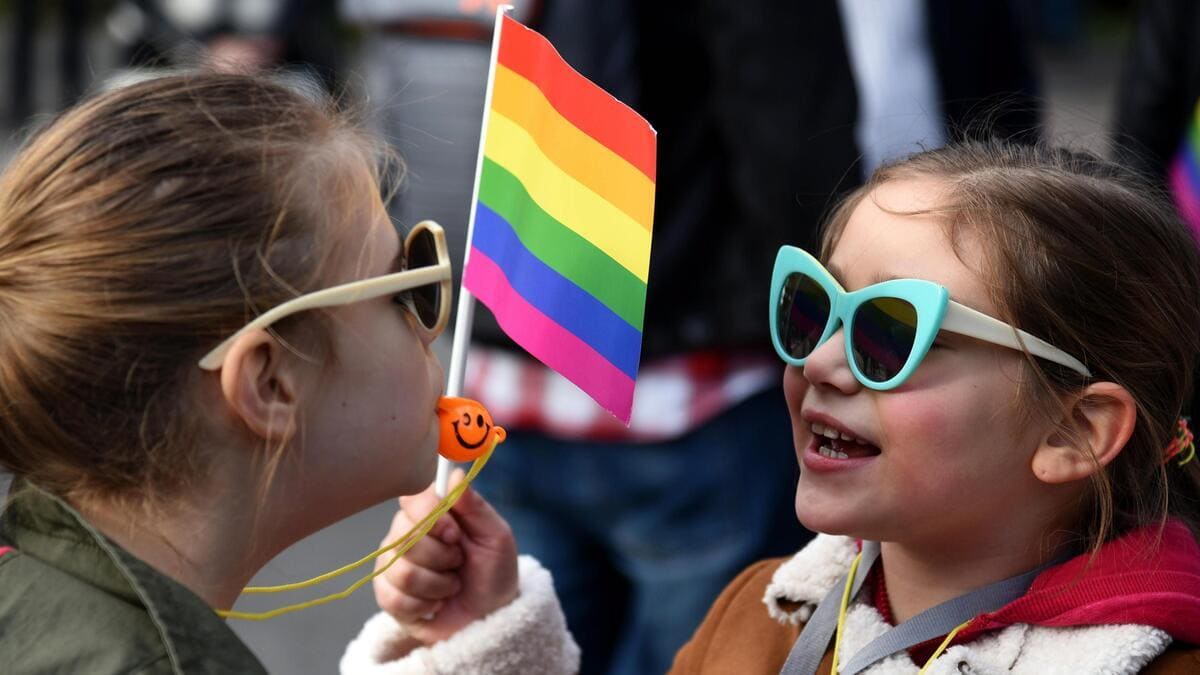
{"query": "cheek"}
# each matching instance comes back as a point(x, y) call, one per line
point(402, 359)
point(961, 433)
point(917, 418)
point(794, 389)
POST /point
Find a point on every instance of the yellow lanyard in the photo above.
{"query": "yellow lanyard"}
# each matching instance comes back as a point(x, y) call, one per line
point(841, 622)
point(400, 546)
point(828, 621)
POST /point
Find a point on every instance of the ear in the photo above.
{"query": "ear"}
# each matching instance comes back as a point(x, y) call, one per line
point(259, 388)
point(1102, 416)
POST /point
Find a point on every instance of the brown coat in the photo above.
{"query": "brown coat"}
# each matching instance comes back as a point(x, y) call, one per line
point(739, 636)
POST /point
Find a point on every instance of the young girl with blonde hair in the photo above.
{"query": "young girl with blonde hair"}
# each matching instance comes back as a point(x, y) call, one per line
point(985, 372)
point(212, 344)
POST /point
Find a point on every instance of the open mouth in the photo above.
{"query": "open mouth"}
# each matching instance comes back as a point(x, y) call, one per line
point(836, 444)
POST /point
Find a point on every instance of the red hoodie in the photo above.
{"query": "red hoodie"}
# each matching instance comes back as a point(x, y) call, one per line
point(1134, 579)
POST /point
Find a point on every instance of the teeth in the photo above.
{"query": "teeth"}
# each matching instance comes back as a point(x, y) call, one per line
point(829, 452)
point(834, 434)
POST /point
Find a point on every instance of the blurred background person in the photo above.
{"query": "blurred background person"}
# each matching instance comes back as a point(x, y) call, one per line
point(71, 16)
point(1158, 106)
point(423, 65)
point(1079, 46)
point(764, 110)
point(298, 37)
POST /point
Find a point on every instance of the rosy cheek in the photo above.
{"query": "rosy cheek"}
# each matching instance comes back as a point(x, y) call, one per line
point(919, 430)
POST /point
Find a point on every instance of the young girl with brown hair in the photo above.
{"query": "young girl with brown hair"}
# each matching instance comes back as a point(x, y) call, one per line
point(985, 371)
point(212, 344)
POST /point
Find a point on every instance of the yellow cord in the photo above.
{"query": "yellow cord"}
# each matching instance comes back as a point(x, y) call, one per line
point(837, 641)
point(942, 647)
point(400, 546)
point(841, 623)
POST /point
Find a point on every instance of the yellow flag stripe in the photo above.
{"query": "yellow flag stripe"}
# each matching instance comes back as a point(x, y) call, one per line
point(584, 158)
point(566, 199)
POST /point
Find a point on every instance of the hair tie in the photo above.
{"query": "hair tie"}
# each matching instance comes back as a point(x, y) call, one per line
point(1182, 444)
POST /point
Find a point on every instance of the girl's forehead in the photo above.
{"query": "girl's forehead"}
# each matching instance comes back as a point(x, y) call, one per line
point(891, 235)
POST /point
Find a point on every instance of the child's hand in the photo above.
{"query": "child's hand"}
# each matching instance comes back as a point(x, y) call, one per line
point(465, 568)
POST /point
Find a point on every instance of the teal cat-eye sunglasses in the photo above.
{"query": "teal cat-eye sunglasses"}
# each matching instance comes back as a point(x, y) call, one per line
point(889, 326)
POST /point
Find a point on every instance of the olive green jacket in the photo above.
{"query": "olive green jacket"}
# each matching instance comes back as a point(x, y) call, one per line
point(72, 601)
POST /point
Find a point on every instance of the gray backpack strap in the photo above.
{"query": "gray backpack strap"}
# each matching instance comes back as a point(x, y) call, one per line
point(940, 620)
point(810, 646)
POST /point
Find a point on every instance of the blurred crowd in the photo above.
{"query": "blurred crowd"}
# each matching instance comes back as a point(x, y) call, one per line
point(764, 108)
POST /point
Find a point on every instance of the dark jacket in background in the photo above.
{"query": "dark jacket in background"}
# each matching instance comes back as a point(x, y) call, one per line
point(755, 107)
point(1157, 95)
point(1159, 86)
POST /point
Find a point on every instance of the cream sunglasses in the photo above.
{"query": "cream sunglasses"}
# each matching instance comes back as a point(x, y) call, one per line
point(428, 275)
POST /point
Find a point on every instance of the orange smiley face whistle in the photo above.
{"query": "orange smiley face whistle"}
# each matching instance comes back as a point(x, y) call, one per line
point(465, 429)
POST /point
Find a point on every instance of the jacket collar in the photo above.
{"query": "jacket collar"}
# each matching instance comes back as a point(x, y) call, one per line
point(43, 526)
point(803, 580)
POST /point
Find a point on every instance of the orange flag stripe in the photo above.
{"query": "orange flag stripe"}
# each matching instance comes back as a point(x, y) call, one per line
point(579, 155)
point(591, 109)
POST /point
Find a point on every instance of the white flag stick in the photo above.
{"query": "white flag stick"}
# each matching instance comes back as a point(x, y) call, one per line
point(466, 302)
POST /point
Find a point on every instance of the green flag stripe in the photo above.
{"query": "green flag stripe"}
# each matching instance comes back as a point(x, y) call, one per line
point(561, 248)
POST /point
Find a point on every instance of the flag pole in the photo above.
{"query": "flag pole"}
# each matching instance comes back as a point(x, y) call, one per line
point(466, 302)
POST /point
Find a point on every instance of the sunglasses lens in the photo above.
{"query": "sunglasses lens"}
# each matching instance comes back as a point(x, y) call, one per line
point(427, 300)
point(884, 332)
point(802, 315)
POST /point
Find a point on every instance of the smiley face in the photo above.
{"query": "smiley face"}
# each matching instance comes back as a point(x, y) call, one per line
point(463, 425)
point(466, 428)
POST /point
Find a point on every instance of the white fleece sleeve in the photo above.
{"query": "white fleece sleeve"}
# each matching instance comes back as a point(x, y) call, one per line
point(527, 636)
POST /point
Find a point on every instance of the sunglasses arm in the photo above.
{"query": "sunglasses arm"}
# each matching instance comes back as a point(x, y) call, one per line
point(344, 294)
point(966, 321)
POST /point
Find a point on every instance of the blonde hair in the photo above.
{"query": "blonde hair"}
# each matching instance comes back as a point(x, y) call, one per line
point(1091, 257)
point(136, 231)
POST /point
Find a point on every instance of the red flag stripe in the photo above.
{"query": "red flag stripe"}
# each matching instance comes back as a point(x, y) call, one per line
point(585, 105)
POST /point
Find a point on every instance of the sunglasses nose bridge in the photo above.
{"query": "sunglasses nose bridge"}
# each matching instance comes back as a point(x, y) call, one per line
point(839, 315)
point(842, 310)
point(829, 361)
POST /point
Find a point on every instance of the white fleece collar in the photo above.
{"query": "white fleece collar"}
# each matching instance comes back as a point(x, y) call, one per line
point(802, 581)
point(528, 635)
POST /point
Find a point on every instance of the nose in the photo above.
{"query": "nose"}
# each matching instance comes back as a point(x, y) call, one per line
point(827, 366)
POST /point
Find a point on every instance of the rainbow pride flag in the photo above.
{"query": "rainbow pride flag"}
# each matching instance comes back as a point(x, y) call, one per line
point(560, 249)
point(1183, 175)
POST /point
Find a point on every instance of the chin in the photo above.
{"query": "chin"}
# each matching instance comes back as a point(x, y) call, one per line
point(422, 474)
point(821, 523)
point(819, 515)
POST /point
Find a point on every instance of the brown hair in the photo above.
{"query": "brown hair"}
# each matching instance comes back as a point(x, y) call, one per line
point(1092, 258)
point(137, 231)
